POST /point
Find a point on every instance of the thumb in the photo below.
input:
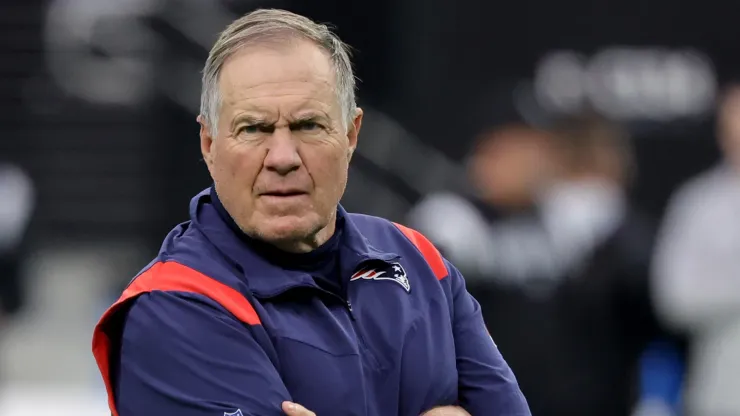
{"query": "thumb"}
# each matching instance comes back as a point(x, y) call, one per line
point(295, 409)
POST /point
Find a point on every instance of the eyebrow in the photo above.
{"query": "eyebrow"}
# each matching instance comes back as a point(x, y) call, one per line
point(248, 119)
point(253, 120)
point(312, 116)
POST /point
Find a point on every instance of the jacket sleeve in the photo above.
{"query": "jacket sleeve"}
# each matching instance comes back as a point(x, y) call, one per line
point(182, 354)
point(487, 385)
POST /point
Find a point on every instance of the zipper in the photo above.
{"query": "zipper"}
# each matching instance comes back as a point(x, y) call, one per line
point(355, 327)
point(362, 344)
point(350, 311)
point(347, 304)
point(327, 293)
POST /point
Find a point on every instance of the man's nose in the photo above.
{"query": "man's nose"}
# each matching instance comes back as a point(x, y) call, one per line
point(282, 152)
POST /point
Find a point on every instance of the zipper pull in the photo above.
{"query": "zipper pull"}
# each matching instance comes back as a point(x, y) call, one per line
point(351, 312)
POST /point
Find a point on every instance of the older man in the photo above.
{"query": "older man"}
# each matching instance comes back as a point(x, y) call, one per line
point(272, 298)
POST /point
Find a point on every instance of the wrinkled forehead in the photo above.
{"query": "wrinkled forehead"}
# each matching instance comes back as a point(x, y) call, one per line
point(278, 70)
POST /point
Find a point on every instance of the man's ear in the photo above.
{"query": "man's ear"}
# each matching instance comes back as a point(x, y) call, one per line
point(206, 142)
point(353, 131)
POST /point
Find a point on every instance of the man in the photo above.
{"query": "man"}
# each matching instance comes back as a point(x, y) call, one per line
point(571, 267)
point(272, 298)
point(697, 271)
point(506, 169)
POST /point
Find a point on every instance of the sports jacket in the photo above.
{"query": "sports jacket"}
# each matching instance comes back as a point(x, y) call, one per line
point(219, 330)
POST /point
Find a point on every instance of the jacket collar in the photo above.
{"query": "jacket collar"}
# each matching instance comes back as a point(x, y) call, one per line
point(265, 278)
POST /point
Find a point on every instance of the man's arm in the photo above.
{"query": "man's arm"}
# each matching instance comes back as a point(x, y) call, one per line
point(182, 354)
point(487, 385)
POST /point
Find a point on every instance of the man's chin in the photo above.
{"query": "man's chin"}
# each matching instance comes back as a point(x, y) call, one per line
point(286, 231)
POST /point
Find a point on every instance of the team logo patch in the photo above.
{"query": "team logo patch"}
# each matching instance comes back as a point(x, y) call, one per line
point(237, 413)
point(395, 272)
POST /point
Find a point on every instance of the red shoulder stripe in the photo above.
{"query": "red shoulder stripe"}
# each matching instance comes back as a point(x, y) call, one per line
point(430, 253)
point(175, 277)
point(167, 276)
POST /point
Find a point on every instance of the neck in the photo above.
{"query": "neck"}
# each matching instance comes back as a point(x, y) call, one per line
point(310, 243)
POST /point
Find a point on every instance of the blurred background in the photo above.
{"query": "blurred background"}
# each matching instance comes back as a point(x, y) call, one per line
point(578, 160)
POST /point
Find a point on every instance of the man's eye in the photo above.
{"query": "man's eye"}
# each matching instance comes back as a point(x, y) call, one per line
point(249, 129)
point(309, 126)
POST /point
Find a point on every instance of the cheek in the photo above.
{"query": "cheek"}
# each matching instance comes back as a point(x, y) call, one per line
point(329, 171)
point(236, 166)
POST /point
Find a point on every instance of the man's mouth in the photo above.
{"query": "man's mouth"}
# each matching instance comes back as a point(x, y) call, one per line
point(284, 193)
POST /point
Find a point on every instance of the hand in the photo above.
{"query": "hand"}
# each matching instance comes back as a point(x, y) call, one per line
point(295, 409)
point(447, 411)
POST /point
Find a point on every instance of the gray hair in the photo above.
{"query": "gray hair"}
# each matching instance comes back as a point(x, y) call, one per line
point(262, 25)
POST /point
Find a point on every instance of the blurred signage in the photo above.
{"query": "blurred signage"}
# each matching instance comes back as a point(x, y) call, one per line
point(88, 55)
point(630, 84)
point(109, 51)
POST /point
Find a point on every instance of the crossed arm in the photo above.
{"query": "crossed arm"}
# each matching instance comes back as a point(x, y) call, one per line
point(294, 409)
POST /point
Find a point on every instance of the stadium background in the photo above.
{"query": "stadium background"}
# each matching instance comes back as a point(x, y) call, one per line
point(99, 99)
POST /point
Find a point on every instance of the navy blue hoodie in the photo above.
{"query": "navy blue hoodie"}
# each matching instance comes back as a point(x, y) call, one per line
point(217, 326)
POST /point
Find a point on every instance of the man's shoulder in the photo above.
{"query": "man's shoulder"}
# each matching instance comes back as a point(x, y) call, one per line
point(187, 246)
point(159, 327)
point(702, 197)
point(381, 233)
point(708, 184)
point(188, 272)
point(389, 236)
point(368, 222)
point(188, 309)
point(168, 291)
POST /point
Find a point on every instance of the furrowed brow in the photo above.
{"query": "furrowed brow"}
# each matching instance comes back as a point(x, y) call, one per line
point(248, 119)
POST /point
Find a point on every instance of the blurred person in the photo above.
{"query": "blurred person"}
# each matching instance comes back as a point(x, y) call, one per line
point(563, 285)
point(697, 271)
point(506, 167)
point(272, 297)
point(17, 202)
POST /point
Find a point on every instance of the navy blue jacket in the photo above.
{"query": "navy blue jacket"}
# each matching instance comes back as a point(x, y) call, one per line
point(212, 328)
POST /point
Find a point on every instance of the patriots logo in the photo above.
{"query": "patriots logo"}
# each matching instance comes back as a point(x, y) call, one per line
point(237, 413)
point(395, 273)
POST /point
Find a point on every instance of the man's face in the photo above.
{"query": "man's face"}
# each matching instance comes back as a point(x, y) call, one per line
point(281, 156)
